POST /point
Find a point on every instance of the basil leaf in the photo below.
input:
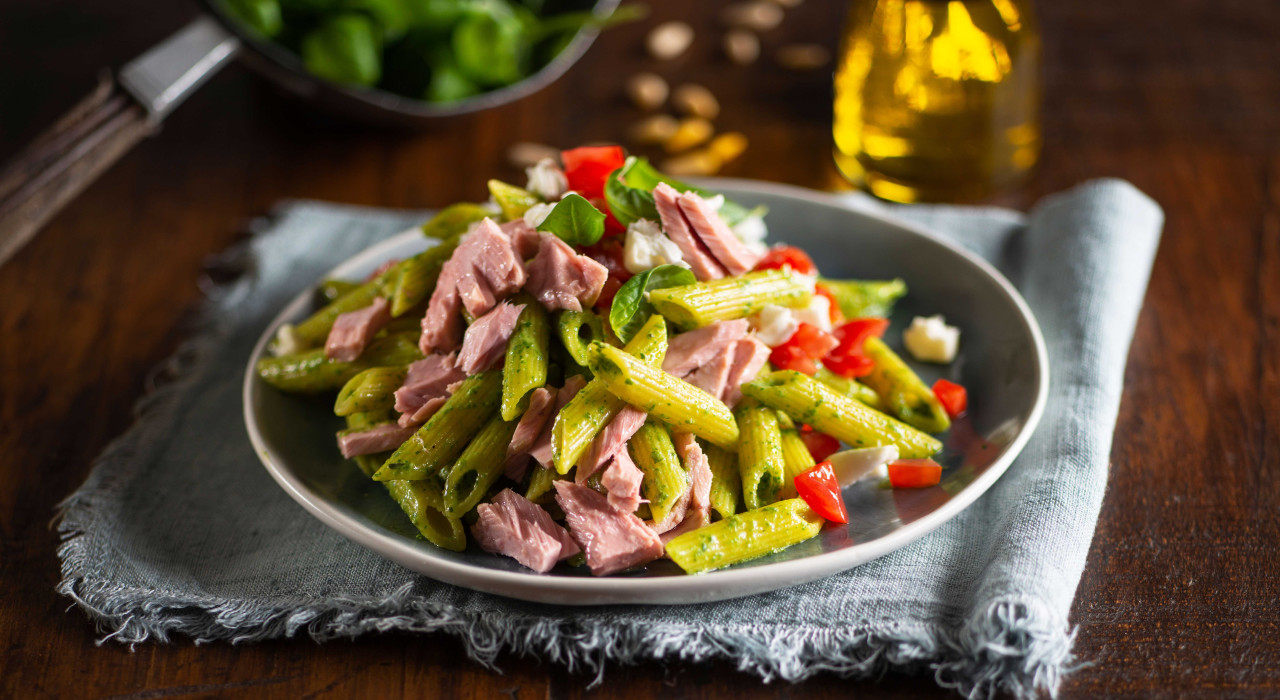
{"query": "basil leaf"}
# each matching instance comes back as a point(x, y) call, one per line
point(575, 221)
point(628, 204)
point(630, 308)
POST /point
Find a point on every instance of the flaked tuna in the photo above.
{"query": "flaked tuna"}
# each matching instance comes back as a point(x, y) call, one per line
point(423, 413)
point(749, 357)
point(531, 425)
point(714, 233)
point(622, 479)
point(712, 375)
point(559, 278)
point(380, 438)
point(687, 351)
point(677, 228)
point(610, 441)
point(524, 238)
point(352, 331)
point(514, 526)
point(427, 379)
point(485, 342)
point(695, 461)
point(541, 450)
point(483, 270)
point(612, 541)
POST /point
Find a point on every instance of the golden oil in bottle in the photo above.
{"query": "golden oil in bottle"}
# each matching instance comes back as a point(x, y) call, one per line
point(938, 100)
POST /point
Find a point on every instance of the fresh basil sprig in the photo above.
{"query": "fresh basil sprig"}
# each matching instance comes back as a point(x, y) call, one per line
point(575, 221)
point(630, 307)
point(629, 193)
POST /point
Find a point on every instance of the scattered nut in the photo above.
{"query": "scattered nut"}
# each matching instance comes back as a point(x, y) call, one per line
point(699, 162)
point(788, 3)
point(803, 56)
point(728, 147)
point(524, 154)
point(760, 15)
point(654, 130)
point(691, 132)
point(647, 90)
point(741, 46)
point(669, 39)
point(695, 101)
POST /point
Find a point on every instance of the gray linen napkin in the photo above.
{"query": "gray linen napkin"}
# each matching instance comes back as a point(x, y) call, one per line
point(179, 531)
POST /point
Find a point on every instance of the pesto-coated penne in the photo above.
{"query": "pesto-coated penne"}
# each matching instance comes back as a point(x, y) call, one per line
point(332, 290)
point(745, 536)
point(807, 400)
point(363, 421)
point(594, 406)
point(796, 458)
point(528, 353)
point(314, 330)
point(849, 387)
point(453, 220)
point(862, 298)
point(673, 401)
point(903, 393)
point(759, 453)
point(416, 278)
point(540, 484)
point(371, 390)
point(704, 303)
point(665, 479)
point(513, 201)
point(423, 502)
point(577, 330)
point(445, 434)
point(726, 484)
point(311, 372)
point(477, 468)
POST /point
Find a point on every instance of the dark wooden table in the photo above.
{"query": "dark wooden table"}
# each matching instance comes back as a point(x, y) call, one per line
point(1181, 595)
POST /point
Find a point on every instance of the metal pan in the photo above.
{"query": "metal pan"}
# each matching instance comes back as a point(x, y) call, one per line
point(129, 105)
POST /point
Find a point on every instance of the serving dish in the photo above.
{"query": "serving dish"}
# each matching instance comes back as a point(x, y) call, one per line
point(1002, 362)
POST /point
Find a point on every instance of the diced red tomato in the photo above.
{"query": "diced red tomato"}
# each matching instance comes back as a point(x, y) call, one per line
point(848, 358)
point(914, 473)
point(610, 289)
point(610, 253)
point(820, 489)
point(791, 357)
point(808, 344)
point(952, 396)
point(836, 317)
point(820, 445)
point(587, 167)
point(781, 256)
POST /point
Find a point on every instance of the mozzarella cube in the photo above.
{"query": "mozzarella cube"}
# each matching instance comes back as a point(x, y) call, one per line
point(774, 325)
point(931, 339)
point(536, 214)
point(752, 231)
point(546, 180)
point(287, 341)
point(817, 313)
point(648, 247)
point(853, 465)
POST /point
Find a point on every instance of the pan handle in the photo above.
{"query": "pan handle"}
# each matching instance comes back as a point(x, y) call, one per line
point(63, 160)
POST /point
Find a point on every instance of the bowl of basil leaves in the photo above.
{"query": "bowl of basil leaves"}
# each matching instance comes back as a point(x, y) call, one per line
point(411, 62)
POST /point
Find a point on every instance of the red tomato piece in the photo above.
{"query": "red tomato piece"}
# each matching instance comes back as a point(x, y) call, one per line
point(781, 256)
point(820, 445)
point(836, 317)
point(610, 253)
point(787, 356)
point(848, 359)
point(814, 341)
point(952, 396)
point(914, 473)
point(820, 489)
point(587, 167)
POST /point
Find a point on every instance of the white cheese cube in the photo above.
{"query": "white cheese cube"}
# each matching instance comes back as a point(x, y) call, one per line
point(852, 465)
point(817, 313)
point(536, 214)
point(931, 339)
point(774, 325)
point(546, 180)
point(648, 247)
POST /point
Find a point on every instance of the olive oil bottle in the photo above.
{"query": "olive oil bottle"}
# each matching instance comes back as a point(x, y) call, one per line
point(938, 100)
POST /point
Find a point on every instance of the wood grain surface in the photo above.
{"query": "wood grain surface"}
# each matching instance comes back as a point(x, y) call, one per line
point(1181, 594)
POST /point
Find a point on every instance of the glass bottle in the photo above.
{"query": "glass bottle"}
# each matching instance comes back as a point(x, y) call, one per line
point(938, 100)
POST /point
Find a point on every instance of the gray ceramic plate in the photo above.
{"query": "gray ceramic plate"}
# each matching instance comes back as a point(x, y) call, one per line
point(1002, 362)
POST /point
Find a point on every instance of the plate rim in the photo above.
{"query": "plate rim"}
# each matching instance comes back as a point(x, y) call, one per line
point(711, 586)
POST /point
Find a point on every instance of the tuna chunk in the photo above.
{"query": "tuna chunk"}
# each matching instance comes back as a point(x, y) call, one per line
point(541, 405)
point(427, 379)
point(677, 228)
point(612, 541)
point(715, 234)
point(381, 438)
point(692, 521)
point(541, 450)
point(518, 528)
point(352, 331)
point(711, 376)
point(559, 278)
point(699, 471)
point(485, 343)
point(622, 479)
point(524, 238)
point(423, 413)
point(749, 357)
point(688, 351)
point(611, 441)
point(483, 270)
